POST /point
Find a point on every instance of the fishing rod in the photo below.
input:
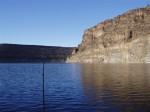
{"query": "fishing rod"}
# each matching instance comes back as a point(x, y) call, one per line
point(43, 86)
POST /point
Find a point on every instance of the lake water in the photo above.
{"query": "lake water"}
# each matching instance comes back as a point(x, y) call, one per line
point(75, 87)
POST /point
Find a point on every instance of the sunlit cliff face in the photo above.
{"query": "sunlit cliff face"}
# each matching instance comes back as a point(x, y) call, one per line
point(124, 39)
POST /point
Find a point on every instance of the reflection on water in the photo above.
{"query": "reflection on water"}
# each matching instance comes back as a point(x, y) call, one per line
point(75, 87)
point(121, 86)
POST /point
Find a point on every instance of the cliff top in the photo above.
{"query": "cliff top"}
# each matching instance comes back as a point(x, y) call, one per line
point(132, 14)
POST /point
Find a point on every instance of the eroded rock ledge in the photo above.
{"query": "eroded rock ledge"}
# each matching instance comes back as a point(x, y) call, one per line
point(123, 39)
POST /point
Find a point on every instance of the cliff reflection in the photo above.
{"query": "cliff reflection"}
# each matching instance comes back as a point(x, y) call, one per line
point(120, 86)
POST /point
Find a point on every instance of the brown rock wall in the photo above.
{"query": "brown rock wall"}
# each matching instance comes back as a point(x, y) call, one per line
point(124, 39)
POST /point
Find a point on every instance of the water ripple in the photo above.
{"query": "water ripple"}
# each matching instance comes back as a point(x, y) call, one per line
point(75, 87)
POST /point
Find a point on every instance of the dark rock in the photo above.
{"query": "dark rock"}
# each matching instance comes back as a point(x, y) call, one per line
point(33, 53)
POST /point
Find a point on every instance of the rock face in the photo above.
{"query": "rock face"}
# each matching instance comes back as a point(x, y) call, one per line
point(33, 53)
point(124, 39)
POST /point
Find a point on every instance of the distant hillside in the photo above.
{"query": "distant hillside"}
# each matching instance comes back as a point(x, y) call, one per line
point(33, 53)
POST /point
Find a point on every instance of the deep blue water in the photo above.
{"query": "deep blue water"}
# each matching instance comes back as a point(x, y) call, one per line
point(75, 87)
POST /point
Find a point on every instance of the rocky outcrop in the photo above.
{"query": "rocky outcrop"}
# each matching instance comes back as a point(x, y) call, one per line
point(33, 53)
point(124, 39)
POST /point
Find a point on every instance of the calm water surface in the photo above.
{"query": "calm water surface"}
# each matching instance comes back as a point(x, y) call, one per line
point(75, 87)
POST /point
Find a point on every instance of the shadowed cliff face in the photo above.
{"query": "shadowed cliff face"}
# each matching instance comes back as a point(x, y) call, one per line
point(32, 53)
point(124, 39)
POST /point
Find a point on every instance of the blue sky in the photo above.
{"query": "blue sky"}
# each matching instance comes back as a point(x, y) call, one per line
point(56, 22)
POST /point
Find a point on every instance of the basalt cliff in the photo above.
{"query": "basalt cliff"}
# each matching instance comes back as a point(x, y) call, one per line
point(123, 39)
